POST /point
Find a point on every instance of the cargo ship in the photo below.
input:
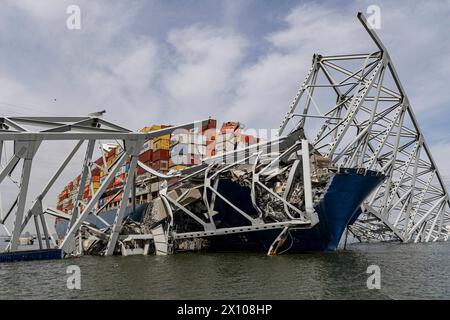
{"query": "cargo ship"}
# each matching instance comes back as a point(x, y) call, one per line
point(337, 205)
point(169, 153)
point(338, 208)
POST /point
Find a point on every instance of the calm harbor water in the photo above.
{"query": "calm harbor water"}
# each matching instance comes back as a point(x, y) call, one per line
point(408, 271)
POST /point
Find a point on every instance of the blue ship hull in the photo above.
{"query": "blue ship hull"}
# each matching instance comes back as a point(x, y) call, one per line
point(31, 255)
point(339, 207)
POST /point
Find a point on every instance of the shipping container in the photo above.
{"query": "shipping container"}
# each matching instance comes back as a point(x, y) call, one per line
point(212, 124)
point(154, 128)
point(189, 138)
point(160, 155)
point(148, 145)
point(230, 137)
point(146, 156)
point(230, 127)
point(160, 165)
point(225, 146)
point(95, 172)
point(164, 137)
point(177, 167)
point(155, 187)
point(161, 145)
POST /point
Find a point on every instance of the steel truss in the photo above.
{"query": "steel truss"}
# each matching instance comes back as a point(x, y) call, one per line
point(27, 134)
point(356, 112)
point(264, 159)
point(351, 110)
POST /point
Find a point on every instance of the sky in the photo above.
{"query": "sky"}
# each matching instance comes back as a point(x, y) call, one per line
point(173, 62)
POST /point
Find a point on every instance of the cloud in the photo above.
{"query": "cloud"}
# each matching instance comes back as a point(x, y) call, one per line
point(268, 85)
point(43, 9)
point(138, 68)
point(202, 73)
point(441, 154)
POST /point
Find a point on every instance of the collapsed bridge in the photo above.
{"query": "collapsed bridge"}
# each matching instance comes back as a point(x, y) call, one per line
point(349, 155)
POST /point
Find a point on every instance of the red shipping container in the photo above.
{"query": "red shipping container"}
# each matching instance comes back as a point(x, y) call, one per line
point(140, 171)
point(160, 155)
point(193, 159)
point(112, 152)
point(95, 172)
point(146, 156)
point(117, 182)
point(99, 161)
point(160, 165)
point(210, 125)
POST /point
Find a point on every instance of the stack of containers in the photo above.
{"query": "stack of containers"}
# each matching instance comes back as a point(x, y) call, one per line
point(245, 140)
point(161, 146)
point(68, 196)
point(110, 157)
point(120, 177)
point(181, 147)
point(95, 179)
point(189, 147)
point(226, 140)
point(209, 131)
point(155, 152)
point(62, 199)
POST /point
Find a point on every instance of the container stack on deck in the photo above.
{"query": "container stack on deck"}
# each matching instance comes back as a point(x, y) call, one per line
point(231, 138)
point(168, 153)
point(156, 152)
point(188, 148)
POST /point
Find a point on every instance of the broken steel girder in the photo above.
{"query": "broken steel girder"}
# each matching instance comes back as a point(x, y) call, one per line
point(272, 178)
point(356, 112)
point(27, 135)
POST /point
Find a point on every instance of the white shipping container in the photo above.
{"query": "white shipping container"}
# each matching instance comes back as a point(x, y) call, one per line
point(231, 137)
point(190, 138)
point(242, 145)
point(225, 146)
point(147, 146)
point(179, 138)
point(179, 159)
point(183, 149)
point(154, 187)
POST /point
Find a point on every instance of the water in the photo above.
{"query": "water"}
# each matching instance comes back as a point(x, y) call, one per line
point(408, 271)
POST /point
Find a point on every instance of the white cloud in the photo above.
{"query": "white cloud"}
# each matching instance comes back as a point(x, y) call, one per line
point(314, 28)
point(202, 75)
point(441, 154)
point(138, 68)
point(42, 9)
point(268, 86)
